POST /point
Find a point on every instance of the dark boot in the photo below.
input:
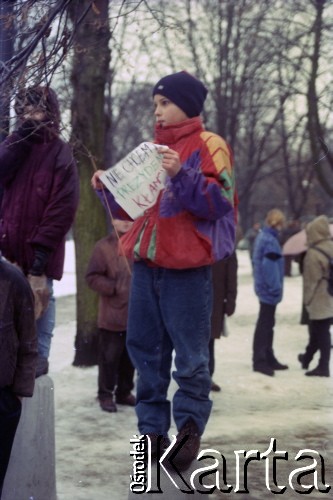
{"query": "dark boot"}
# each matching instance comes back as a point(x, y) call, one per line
point(127, 399)
point(318, 372)
point(302, 359)
point(186, 447)
point(276, 365)
point(264, 369)
point(214, 387)
point(107, 404)
point(273, 362)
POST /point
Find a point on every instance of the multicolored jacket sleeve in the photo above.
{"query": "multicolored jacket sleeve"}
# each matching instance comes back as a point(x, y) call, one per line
point(205, 184)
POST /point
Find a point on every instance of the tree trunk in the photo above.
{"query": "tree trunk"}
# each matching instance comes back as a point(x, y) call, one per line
point(89, 74)
point(6, 52)
point(319, 149)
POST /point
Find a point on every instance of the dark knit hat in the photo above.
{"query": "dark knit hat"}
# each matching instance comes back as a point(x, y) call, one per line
point(184, 90)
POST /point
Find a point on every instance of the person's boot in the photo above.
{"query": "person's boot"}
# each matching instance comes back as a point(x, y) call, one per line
point(186, 448)
point(127, 399)
point(318, 372)
point(108, 404)
point(215, 387)
point(304, 362)
point(276, 365)
point(264, 369)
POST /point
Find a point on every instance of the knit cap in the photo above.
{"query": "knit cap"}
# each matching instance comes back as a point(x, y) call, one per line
point(184, 90)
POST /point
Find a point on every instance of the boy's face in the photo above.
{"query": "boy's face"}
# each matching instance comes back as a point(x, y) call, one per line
point(166, 112)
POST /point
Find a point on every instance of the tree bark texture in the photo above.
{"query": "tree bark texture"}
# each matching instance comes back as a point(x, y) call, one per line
point(89, 74)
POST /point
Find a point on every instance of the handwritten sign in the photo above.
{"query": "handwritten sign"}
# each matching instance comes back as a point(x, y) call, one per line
point(137, 179)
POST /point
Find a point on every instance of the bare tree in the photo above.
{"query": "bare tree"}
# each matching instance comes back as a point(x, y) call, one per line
point(322, 157)
point(254, 57)
point(265, 62)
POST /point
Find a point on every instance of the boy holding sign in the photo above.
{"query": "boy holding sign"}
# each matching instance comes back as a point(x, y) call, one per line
point(173, 244)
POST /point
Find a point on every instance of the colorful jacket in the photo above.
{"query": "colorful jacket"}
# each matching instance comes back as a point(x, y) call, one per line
point(192, 224)
point(268, 266)
point(318, 302)
point(109, 275)
point(18, 337)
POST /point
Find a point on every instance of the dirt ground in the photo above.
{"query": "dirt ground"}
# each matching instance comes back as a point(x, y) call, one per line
point(92, 447)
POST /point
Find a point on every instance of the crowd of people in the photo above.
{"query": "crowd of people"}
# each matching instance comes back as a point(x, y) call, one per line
point(166, 281)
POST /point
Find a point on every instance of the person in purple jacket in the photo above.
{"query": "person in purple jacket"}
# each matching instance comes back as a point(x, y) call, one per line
point(39, 180)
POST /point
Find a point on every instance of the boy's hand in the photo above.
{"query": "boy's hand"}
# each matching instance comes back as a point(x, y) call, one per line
point(171, 161)
point(95, 182)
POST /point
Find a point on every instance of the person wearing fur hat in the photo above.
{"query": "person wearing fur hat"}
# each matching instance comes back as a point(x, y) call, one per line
point(40, 194)
point(173, 245)
point(268, 272)
point(316, 298)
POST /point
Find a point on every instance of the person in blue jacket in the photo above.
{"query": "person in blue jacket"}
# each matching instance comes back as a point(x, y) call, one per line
point(268, 266)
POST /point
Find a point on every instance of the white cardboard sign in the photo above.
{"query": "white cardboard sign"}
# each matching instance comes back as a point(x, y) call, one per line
point(137, 179)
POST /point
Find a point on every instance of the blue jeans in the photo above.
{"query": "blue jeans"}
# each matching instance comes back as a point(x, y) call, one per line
point(170, 310)
point(45, 325)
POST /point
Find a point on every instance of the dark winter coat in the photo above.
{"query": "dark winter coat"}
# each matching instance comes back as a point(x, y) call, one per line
point(268, 266)
point(224, 292)
point(40, 181)
point(18, 338)
point(108, 274)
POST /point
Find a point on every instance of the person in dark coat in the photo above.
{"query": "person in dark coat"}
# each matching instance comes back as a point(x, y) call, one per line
point(18, 354)
point(224, 275)
point(109, 275)
point(40, 196)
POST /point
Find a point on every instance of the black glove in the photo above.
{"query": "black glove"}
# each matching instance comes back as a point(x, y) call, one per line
point(40, 261)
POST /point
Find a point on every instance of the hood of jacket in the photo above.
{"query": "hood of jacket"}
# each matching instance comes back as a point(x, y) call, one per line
point(318, 230)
